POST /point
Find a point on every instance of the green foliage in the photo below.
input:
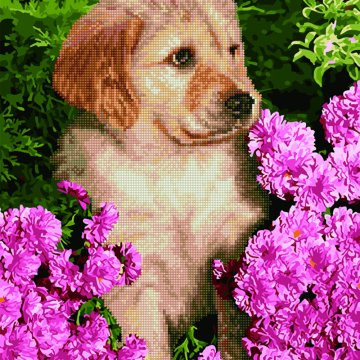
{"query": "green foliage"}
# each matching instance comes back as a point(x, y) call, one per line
point(267, 30)
point(191, 346)
point(333, 40)
point(32, 116)
point(14, 140)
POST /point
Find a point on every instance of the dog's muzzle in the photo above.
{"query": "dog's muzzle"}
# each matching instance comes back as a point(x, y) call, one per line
point(240, 106)
point(236, 113)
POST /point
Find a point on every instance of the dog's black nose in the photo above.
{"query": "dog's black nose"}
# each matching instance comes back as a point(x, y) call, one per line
point(240, 105)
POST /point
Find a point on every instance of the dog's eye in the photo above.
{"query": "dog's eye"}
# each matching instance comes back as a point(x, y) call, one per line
point(183, 57)
point(233, 49)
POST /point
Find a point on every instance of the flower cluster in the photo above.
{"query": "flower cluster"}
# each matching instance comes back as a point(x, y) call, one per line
point(41, 287)
point(291, 169)
point(300, 280)
point(341, 118)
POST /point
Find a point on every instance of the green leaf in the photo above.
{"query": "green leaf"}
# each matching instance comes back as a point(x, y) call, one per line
point(309, 37)
point(243, 8)
point(310, 2)
point(88, 307)
point(338, 4)
point(329, 30)
point(350, 27)
point(318, 74)
point(183, 351)
point(310, 25)
point(328, 2)
point(318, 8)
point(71, 222)
point(306, 53)
point(356, 58)
point(115, 329)
point(306, 12)
point(326, 212)
point(66, 234)
point(353, 71)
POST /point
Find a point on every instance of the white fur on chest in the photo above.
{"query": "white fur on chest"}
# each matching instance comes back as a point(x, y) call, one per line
point(178, 207)
point(193, 194)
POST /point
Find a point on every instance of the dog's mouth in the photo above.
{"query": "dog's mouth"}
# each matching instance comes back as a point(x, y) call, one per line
point(213, 127)
point(215, 121)
point(209, 126)
point(197, 135)
point(190, 136)
point(210, 136)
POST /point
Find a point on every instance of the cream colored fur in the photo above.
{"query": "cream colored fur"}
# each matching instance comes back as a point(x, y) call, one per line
point(184, 196)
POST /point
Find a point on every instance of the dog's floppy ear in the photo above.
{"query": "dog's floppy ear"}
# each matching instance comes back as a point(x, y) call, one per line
point(93, 69)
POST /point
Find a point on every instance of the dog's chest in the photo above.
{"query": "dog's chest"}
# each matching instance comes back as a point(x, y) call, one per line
point(186, 202)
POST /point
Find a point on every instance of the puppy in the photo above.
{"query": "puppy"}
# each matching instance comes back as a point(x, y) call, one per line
point(168, 103)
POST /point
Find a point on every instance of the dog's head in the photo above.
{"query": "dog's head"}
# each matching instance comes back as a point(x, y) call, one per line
point(177, 64)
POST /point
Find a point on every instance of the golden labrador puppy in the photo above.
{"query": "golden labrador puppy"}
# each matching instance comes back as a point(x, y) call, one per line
point(167, 95)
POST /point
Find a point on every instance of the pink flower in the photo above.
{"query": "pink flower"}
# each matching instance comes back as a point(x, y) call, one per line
point(5, 258)
point(279, 172)
point(32, 303)
point(34, 229)
point(342, 230)
point(134, 349)
point(329, 46)
point(341, 117)
point(301, 225)
point(98, 228)
point(304, 289)
point(260, 292)
point(10, 304)
point(46, 320)
point(264, 132)
point(320, 259)
point(302, 278)
point(63, 273)
point(93, 333)
point(282, 149)
point(23, 266)
point(317, 185)
point(20, 344)
point(346, 292)
point(271, 131)
point(210, 353)
point(100, 273)
point(346, 163)
point(287, 335)
point(76, 190)
point(130, 261)
point(88, 341)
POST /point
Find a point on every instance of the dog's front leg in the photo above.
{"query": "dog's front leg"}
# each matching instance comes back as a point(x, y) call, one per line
point(232, 324)
point(139, 312)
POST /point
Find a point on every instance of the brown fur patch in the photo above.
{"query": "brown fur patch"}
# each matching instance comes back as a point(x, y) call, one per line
point(206, 78)
point(92, 71)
